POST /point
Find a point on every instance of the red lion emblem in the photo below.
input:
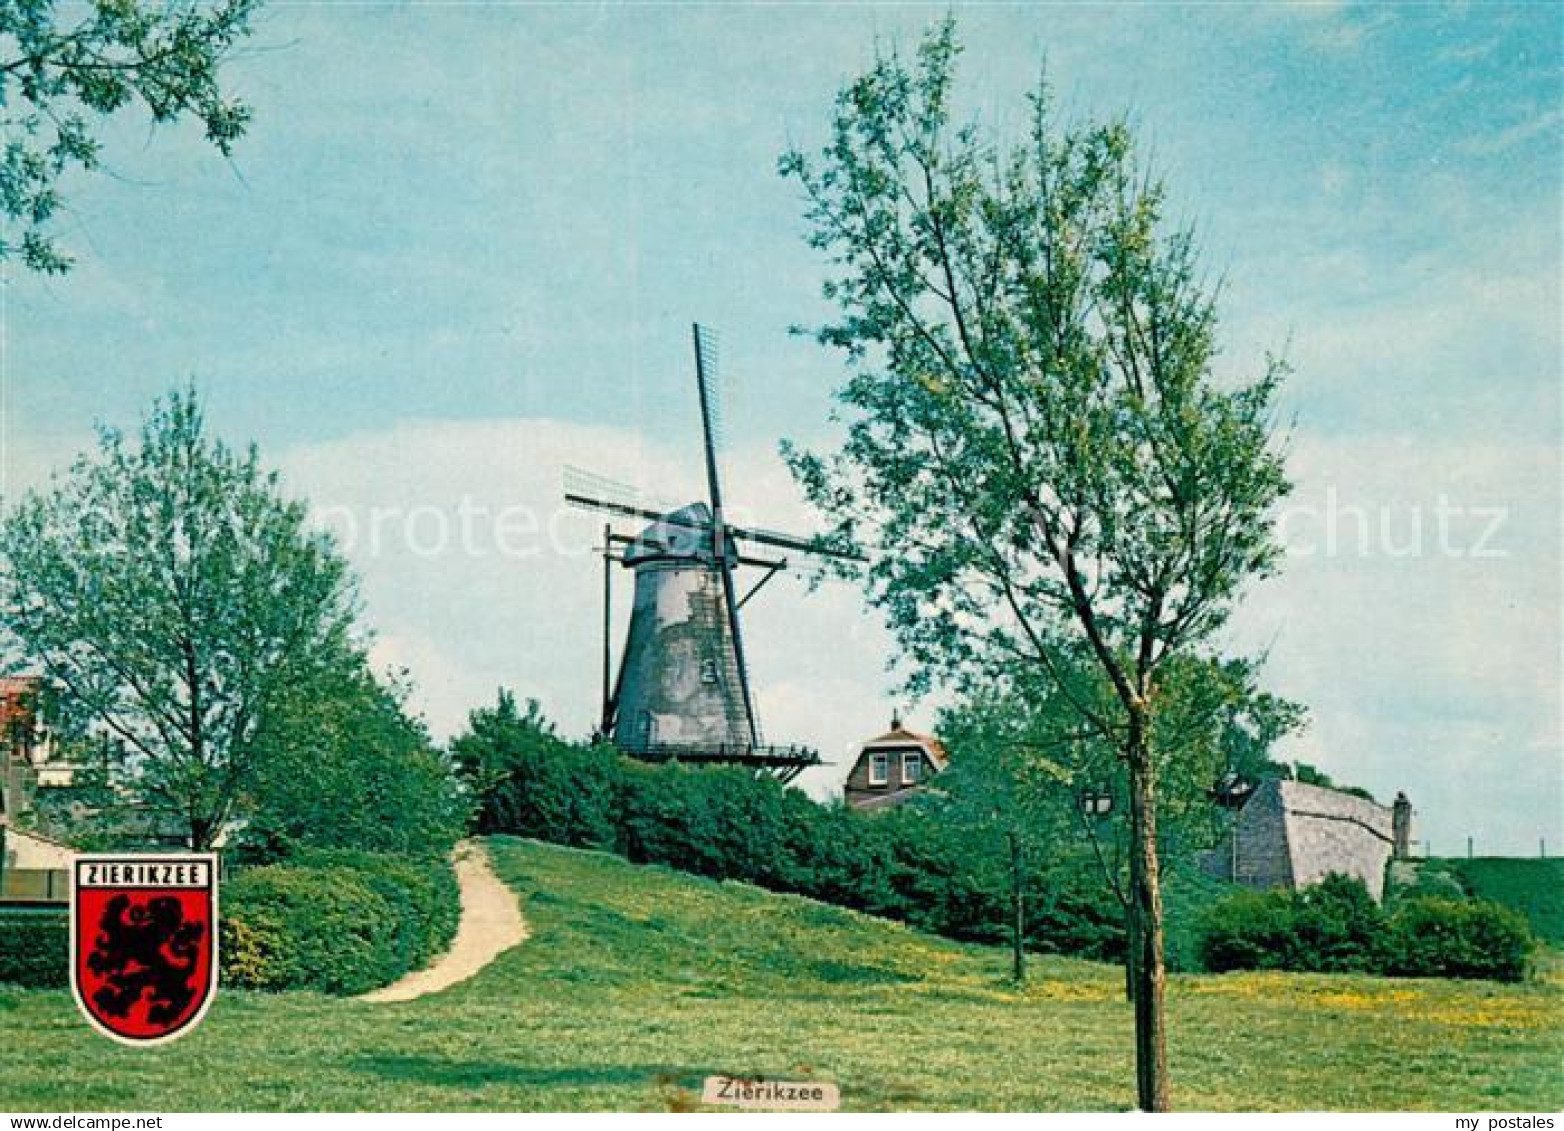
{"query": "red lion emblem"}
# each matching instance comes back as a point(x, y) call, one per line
point(144, 955)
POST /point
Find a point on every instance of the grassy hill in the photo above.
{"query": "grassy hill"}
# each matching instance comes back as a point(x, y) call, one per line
point(638, 982)
point(1534, 887)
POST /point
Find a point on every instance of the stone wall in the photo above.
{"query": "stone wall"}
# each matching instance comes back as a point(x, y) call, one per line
point(1328, 831)
point(1290, 835)
point(1260, 859)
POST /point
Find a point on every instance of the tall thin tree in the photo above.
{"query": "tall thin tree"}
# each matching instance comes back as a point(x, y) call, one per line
point(1037, 444)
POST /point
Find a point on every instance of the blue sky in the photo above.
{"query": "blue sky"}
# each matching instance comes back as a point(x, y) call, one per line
point(463, 243)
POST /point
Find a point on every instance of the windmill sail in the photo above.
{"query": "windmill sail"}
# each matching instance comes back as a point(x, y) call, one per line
point(706, 378)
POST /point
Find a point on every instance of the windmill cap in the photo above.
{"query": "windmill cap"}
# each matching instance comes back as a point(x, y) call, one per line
point(681, 535)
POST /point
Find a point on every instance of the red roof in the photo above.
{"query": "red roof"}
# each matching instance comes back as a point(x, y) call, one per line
point(900, 736)
point(17, 693)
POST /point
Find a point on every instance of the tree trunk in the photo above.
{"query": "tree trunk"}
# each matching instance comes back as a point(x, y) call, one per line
point(1018, 912)
point(201, 834)
point(1131, 949)
point(1151, 1058)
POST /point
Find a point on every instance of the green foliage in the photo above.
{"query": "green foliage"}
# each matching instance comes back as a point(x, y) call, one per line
point(521, 774)
point(421, 889)
point(341, 765)
point(326, 929)
point(1336, 926)
point(33, 947)
point(1036, 437)
point(1053, 484)
point(56, 80)
point(250, 948)
point(181, 658)
point(910, 863)
point(341, 923)
point(1332, 926)
point(1457, 938)
point(1021, 760)
point(1187, 895)
point(1535, 888)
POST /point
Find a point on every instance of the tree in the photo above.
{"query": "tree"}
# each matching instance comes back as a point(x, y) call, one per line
point(1020, 749)
point(1037, 446)
point(1003, 785)
point(342, 765)
point(524, 778)
point(177, 599)
point(55, 79)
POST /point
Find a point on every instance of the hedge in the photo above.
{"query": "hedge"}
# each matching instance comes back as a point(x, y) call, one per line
point(34, 944)
point(1337, 926)
point(728, 824)
point(422, 890)
point(339, 922)
point(1450, 938)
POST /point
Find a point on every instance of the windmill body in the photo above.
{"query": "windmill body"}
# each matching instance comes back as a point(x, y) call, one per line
point(682, 690)
point(679, 685)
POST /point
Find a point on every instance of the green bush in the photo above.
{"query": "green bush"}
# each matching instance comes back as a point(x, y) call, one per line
point(1534, 888)
point(1333, 925)
point(343, 766)
point(728, 824)
point(1432, 937)
point(1187, 893)
point(248, 948)
point(1336, 926)
point(526, 779)
point(34, 945)
point(421, 889)
point(1249, 930)
point(319, 928)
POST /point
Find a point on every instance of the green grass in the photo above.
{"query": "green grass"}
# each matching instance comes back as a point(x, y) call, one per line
point(1535, 888)
point(638, 982)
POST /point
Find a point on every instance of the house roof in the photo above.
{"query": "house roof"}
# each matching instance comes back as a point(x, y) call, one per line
point(15, 694)
point(900, 738)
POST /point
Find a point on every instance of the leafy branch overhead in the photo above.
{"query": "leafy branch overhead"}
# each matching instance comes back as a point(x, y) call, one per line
point(59, 80)
point(1035, 434)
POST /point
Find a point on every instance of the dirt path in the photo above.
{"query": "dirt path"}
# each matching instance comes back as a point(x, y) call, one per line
point(491, 924)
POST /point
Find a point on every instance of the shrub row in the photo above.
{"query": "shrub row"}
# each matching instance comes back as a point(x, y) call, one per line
point(341, 922)
point(33, 947)
point(1337, 926)
point(727, 824)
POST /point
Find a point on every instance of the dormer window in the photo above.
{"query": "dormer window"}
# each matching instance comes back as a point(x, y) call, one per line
point(879, 769)
point(911, 768)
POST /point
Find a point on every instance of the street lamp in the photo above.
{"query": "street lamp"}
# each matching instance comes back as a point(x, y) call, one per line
point(1096, 802)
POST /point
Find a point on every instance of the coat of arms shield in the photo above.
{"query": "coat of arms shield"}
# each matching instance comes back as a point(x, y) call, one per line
point(144, 943)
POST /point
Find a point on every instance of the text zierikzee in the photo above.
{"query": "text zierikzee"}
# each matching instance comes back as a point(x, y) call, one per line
point(771, 1095)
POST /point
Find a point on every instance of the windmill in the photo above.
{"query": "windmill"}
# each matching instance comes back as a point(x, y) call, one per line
point(682, 689)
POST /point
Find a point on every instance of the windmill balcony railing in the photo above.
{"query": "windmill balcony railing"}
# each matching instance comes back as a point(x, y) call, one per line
point(728, 752)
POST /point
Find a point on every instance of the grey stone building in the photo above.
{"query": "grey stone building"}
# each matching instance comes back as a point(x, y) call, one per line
point(1289, 835)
